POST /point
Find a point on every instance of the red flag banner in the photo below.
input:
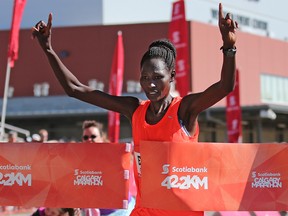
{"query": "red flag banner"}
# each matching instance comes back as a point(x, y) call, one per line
point(233, 114)
point(178, 34)
point(214, 176)
point(115, 88)
point(13, 46)
point(80, 175)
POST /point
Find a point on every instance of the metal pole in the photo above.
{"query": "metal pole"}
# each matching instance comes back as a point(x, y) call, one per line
point(259, 130)
point(17, 129)
point(4, 104)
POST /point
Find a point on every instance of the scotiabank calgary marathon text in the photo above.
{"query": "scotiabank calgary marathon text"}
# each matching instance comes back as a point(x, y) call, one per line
point(88, 178)
point(266, 180)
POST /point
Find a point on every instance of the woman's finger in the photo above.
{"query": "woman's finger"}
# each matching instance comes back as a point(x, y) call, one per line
point(235, 24)
point(228, 16)
point(38, 24)
point(220, 15)
point(34, 32)
point(49, 24)
point(38, 28)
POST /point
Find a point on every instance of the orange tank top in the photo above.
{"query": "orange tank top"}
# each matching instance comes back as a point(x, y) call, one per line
point(169, 128)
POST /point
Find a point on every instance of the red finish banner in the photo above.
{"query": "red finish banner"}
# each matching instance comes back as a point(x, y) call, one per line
point(214, 176)
point(81, 175)
point(233, 114)
point(178, 34)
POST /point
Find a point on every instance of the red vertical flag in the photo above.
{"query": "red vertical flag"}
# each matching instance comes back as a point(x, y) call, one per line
point(178, 34)
point(233, 114)
point(13, 46)
point(115, 88)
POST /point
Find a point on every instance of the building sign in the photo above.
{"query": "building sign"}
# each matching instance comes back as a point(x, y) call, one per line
point(245, 21)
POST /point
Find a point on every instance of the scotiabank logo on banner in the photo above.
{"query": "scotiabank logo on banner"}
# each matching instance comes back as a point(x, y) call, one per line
point(184, 181)
point(266, 180)
point(88, 178)
point(12, 174)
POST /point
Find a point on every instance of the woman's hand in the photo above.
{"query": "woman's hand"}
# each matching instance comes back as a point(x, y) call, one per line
point(42, 32)
point(227, 28)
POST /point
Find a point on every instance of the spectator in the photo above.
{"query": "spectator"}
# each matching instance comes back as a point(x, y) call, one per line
point(92, 132)
point(12, 136)
point(43, 135)
point(56, 212)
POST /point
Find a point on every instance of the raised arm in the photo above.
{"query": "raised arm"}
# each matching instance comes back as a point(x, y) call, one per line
point(193, 104)
point(72, 86)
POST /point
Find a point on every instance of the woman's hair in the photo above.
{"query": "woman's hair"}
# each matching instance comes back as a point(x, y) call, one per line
point(70, 211)
point(163, 49)
point(91, 123)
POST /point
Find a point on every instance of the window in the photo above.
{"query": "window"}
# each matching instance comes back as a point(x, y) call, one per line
point(274, 89)
point(96, 84)
point(41, 89)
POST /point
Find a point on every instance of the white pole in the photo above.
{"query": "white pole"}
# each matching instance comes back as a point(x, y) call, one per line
point(4, 102)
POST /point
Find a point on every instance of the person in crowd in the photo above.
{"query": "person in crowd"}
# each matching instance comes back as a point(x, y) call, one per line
point(93, 132)
point(12, 136)
point(56, 212)
point(162, 117)
point(43, 133)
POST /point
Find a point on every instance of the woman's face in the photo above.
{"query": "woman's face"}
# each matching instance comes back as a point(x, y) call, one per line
point(155, 79)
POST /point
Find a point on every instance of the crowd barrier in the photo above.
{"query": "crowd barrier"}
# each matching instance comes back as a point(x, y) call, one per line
point(178, 176)
point(65, 174)
point(215, 176)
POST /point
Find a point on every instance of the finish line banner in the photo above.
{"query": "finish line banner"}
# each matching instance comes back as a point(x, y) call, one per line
point(214, 176)
point(65, 174)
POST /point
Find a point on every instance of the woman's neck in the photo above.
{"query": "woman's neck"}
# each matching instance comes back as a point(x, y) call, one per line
point(157, 110)
point(159, 107)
